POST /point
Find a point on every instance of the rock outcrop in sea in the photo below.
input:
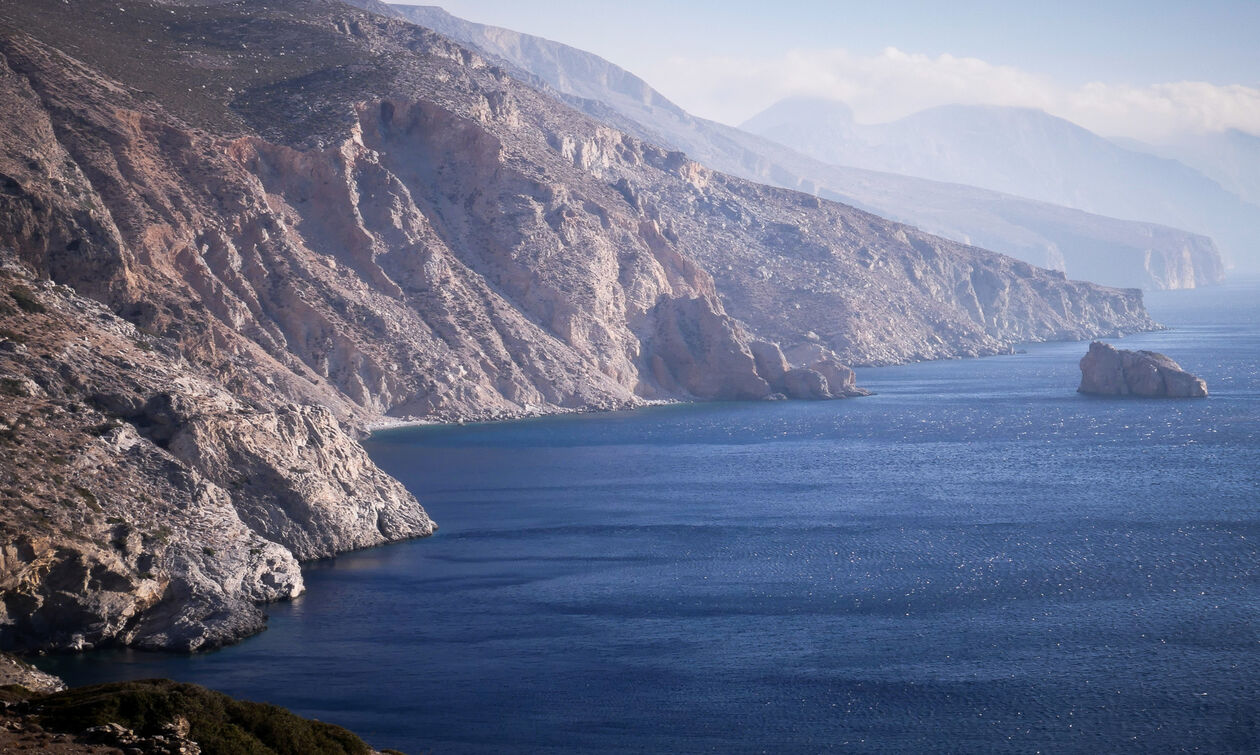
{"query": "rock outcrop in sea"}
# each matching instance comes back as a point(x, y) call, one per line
point(1108, 371)
point(242, 232)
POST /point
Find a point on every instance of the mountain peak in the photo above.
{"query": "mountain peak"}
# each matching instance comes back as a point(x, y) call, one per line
point(833, 113)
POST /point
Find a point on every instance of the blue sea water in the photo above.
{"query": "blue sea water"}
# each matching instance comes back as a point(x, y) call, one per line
point(976, 559)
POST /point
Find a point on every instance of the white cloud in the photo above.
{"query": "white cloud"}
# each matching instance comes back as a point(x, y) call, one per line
point(894, 83)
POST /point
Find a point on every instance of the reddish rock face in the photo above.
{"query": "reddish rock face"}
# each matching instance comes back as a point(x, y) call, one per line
point(1108, 371)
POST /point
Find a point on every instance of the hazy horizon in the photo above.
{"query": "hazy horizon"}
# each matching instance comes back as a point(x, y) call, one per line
point(1151, 72)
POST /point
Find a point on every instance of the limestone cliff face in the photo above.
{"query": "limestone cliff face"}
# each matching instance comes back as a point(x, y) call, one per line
point(300, 217)
point(146, 505)
point(418, 258)
point(802, 272)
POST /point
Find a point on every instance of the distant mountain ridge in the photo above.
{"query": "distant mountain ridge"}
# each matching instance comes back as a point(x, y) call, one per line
point(1231, 158)
point(1091, 247)
point(1026, 152)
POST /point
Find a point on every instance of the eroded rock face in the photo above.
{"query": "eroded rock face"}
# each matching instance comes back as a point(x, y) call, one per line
point(146, 505)
point(16, 671)
point(383, 223)
point(1108, 371)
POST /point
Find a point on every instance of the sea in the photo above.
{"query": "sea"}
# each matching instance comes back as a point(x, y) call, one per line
point(974, 559)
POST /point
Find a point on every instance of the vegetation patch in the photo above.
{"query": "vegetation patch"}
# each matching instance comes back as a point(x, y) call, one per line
point(88, 497)
point(26, 300)
point(218, 723)
point(12, 387)
point(103, 428)
point(13, 693)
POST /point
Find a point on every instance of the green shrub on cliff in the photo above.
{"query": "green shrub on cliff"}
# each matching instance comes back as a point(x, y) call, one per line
point(218, 723)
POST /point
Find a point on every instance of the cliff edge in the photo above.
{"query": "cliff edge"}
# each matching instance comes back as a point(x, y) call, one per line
point(146, 505)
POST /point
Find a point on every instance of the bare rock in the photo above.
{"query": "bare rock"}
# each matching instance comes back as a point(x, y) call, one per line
point(1108, 371)
point(16, 671)
point(148, 506)
point(804, 383)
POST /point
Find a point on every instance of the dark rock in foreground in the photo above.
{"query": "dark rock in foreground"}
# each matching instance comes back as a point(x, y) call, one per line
point(156, 716)
point(1108, 371)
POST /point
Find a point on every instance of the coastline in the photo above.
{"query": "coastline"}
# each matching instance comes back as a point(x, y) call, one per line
point(386, 423)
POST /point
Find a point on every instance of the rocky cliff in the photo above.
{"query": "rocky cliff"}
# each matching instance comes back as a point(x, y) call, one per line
point(1087, 246)
point(14, 671)
point(147, 505)
point(247, 229)
point(1108, 371)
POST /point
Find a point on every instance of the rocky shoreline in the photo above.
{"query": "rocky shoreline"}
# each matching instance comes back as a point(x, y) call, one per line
point(372, 427)
point(148, 506)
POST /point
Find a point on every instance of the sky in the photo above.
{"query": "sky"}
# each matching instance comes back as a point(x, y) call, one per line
point(1147, 70)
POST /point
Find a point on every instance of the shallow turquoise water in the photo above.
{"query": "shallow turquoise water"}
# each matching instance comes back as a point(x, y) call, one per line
point(975, 559)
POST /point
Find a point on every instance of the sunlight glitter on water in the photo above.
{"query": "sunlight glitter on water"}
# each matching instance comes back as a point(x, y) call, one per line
point(976, 558)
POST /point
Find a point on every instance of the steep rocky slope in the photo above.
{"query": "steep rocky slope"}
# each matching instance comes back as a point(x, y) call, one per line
point(1087, 246)
point(146, 505)
point(1231, 158)
point(256, 224)
point(358, 217)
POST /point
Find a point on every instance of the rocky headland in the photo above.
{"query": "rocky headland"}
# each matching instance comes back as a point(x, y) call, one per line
point(241, 233)
point(1108, 371)
point(146, 504)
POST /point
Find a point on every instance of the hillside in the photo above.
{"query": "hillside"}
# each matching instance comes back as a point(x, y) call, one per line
point(1087, 246)
point(245, 231)
point(1231, 158)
